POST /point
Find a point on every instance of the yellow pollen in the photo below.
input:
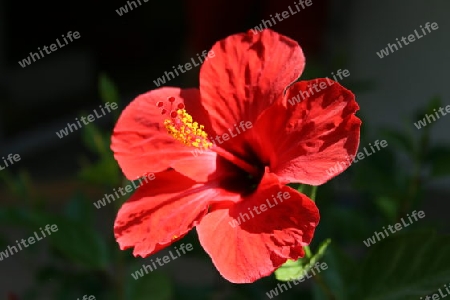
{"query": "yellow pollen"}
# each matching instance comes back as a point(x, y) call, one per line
point(190, 133)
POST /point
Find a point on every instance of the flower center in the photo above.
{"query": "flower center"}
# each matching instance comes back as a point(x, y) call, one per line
point(181, 126)
point(183, 129)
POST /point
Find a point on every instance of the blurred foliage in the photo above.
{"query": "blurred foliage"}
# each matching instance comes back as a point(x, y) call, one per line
point(382, 189)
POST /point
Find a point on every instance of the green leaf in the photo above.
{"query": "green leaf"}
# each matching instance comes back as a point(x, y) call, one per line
point(74, 240)
point(78, 208)
point(295, 186)
point(80, 243)
point(104, 172)
point(399, 139)
point(433, 104)
point(107, 89)
point(291, 270)
point(405, 266)
point(29, 219)
point(95, 141)
point(19, 186)
point(388, 206)
point(439, 158)
point(109, 93)
point(309, 190)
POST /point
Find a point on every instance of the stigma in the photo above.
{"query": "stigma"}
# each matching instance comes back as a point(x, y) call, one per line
point(182, 127)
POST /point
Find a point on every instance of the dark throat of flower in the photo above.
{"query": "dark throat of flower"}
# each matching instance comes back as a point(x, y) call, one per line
point(252, 170)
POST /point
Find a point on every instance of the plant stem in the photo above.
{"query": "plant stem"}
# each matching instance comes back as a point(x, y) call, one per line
point(324, 287)
point(308, 254)
point(313, 193)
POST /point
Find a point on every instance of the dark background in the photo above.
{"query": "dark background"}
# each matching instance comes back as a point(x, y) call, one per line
point(136, 48)
point(133, 49)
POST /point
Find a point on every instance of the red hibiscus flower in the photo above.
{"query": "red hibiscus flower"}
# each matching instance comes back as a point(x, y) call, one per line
point(223, 154)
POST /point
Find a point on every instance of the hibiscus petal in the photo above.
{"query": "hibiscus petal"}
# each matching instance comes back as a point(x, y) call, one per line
point(264, 241)
point(303, 142)
point(140, 141)
point(247, 73)
point(162, 211)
